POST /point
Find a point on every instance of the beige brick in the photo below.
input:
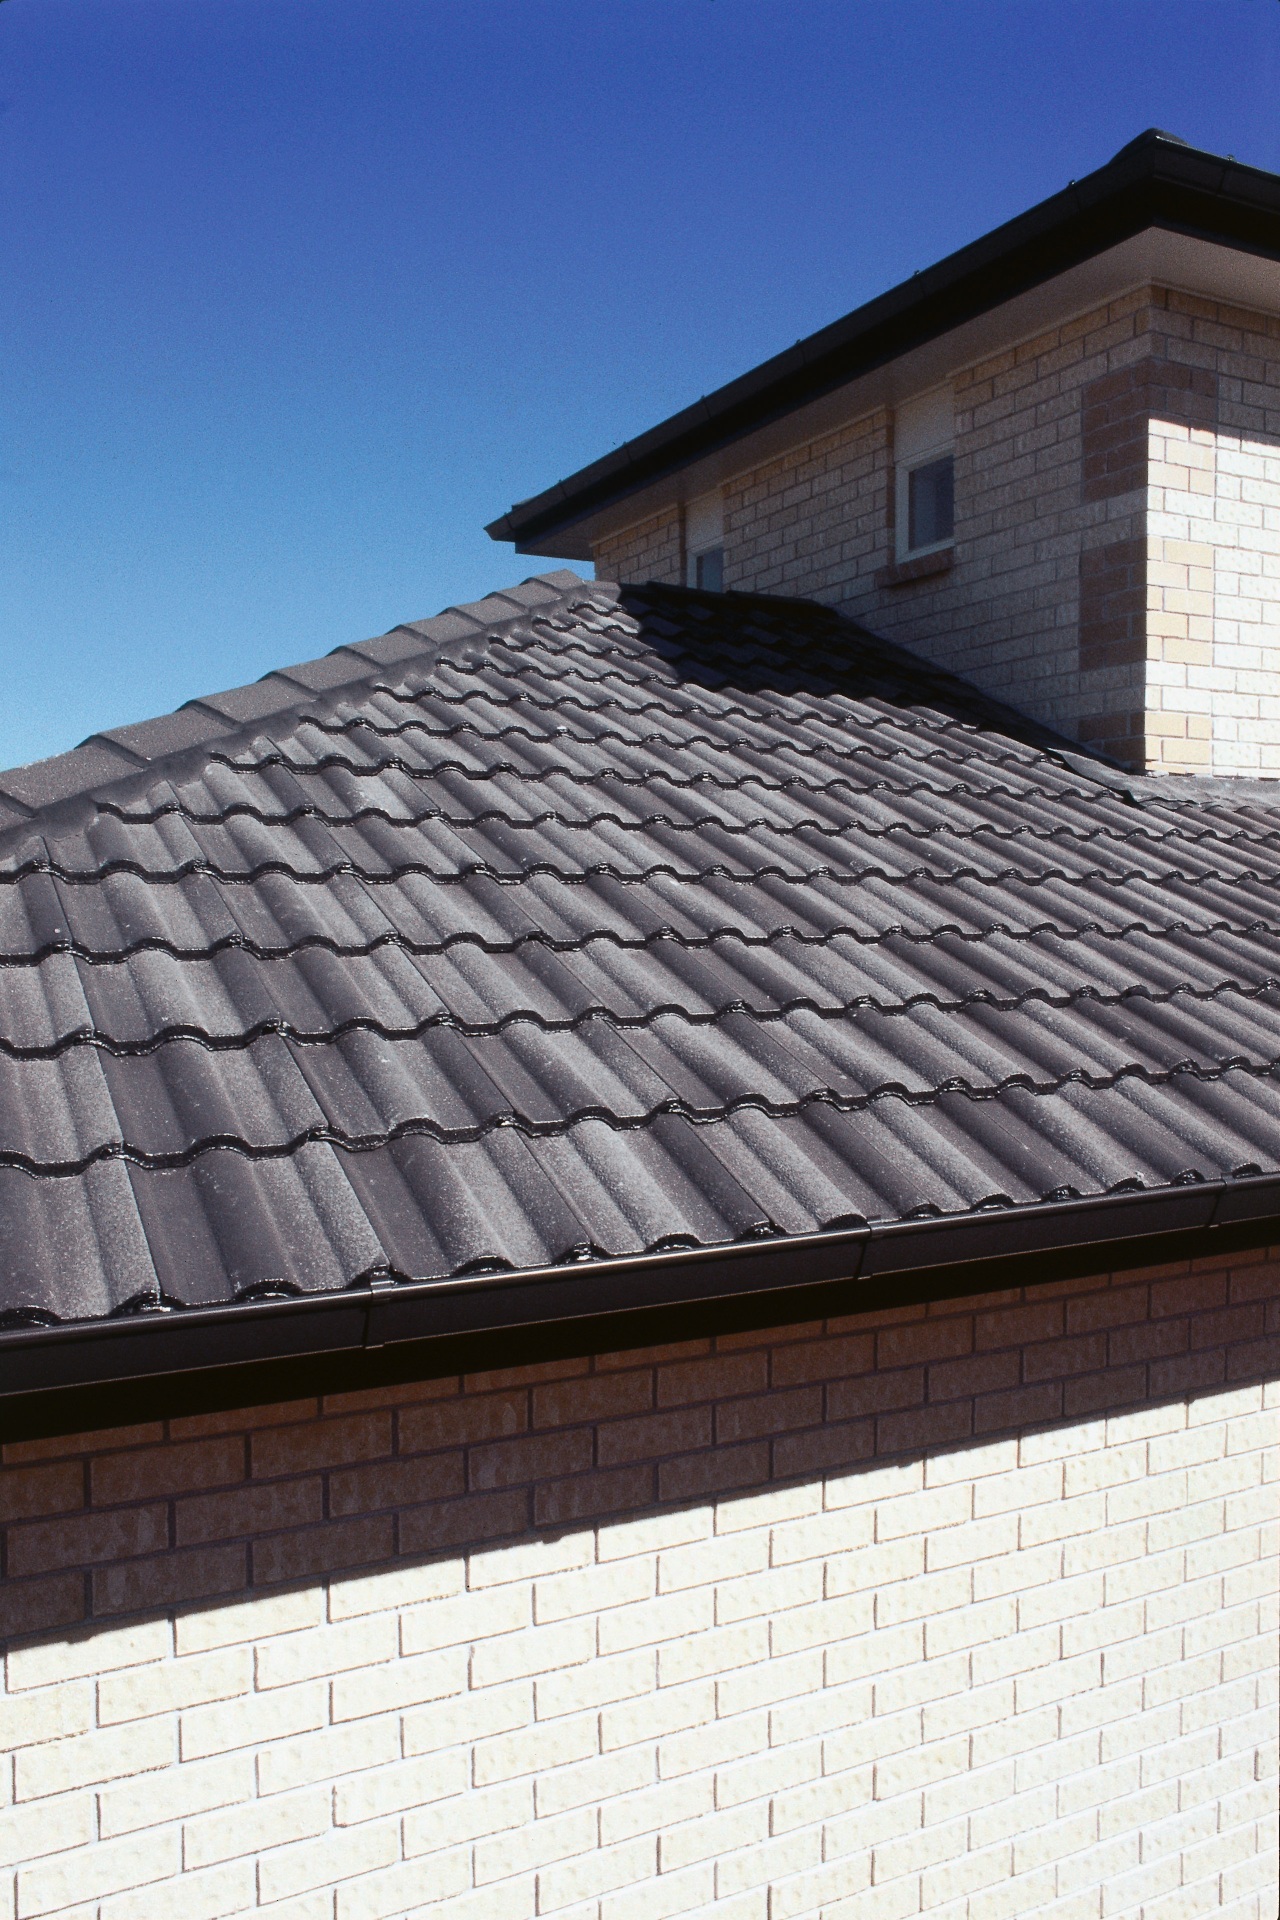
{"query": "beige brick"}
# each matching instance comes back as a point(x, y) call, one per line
point(524, 1751)
point(209, 1895)
point(714, 1651)
point(469, 1716)
point(27, 1832)
point(648, 1623)
point(410, 1887)
point(197, 1787)
point(255, 1619)
point(353, 1595)
point(597, 1683)
point(613, 1780)
point(631, 1863)
point(409, 1783)
point(346, 1854)
point(463, 1618)
point(315, 1651)
point(57, 1766)
point(94, 1650)
point(535, 1844)
point(328, 1753)
point(47, 1713)
point(91, 1873)
point(250, 1720)
point(163, 1686)
point(399, 1683)
point(538, 1650)
point(260, 1824)
point(713, 1745)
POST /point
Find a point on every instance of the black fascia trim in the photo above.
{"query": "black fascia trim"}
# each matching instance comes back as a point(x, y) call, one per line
point(235, 1355)
point(1154, 183)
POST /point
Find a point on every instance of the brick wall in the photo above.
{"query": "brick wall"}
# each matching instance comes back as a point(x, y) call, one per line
point(966, 1610)
point(1152, 422)
point(651, 550)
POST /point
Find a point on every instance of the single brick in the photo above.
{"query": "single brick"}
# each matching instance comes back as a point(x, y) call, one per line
point(396, 1483)
point(144, 1473)
point(679, 1383)
point(465, 1523)
point(27, 1492)
point(87, 1539)
point(605, 1396)
point(516, 1462)
point(33, 1606)
point(321, 1443)
point(826, 1449)
point(339, 1543)
point(765, 1413)
point(828, 1359)
point(458, 1423)
point(250, 1510)
point(719, 1470)
point(203, 1573)
point(583, 1495)
point(653, 1435)
point(875, 1393)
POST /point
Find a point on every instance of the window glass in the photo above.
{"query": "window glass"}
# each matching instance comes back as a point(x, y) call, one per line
point(708, 570)
point(931, 513)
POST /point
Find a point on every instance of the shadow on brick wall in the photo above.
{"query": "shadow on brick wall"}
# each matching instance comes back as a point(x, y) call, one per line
point(200, 1511)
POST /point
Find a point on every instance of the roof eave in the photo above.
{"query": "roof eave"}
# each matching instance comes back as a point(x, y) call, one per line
point(63, 1378)
point(1155, 183)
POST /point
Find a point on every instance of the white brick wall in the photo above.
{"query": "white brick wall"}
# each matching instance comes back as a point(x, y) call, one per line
point(1033, 1675)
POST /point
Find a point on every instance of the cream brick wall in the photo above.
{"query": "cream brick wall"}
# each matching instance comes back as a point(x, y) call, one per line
point(1214, 626)
point(1202, 693)
point(651, 550)
point(966, 1610)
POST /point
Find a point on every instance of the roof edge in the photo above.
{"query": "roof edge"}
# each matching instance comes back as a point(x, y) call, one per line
point(1155, 180)
point(142, 747)
point(59, 1379)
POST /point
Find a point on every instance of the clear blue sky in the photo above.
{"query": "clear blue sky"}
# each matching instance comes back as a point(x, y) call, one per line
point(296, 294)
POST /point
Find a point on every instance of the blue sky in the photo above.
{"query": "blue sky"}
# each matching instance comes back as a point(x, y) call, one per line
point(296, 294)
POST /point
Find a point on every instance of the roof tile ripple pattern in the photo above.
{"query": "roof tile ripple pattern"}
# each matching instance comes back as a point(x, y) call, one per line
point(599, 922)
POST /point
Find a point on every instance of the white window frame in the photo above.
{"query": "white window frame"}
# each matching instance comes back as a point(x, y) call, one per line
point(924, 431)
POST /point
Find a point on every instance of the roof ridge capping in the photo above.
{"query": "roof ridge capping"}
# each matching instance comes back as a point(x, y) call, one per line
point(105, 759)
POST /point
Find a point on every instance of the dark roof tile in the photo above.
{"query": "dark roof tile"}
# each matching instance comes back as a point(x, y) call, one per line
point(627, 921)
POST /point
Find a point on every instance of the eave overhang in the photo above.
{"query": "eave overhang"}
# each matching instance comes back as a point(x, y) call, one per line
point(1156, 184)
point(85, 1374)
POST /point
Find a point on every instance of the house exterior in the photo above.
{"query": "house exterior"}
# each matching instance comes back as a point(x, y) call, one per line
point(1104, 376)
point(638, 1224)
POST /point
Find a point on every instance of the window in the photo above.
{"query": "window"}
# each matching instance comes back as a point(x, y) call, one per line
point(924, 449)
point(704, 542)
point(708, 570)
point(931, 508)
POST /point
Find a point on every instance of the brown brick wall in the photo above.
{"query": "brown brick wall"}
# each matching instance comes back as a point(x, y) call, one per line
point(212, 1505)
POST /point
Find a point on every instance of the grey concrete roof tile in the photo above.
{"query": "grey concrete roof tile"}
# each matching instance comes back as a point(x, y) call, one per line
point(45, 782)
point(169, 733)
point(643, 919)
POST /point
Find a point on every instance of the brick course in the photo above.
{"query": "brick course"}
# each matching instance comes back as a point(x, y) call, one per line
point(965, 1609)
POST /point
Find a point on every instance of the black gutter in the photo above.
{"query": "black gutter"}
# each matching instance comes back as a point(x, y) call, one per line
point(1156, 181)
point(101, 1372)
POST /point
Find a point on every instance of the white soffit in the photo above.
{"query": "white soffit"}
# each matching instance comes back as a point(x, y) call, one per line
point(1166, 259)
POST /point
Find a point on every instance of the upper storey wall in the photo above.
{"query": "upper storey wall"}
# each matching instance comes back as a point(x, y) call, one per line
point(1116, 565)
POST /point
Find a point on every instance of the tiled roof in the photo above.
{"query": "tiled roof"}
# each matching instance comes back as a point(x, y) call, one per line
point(589, 922)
